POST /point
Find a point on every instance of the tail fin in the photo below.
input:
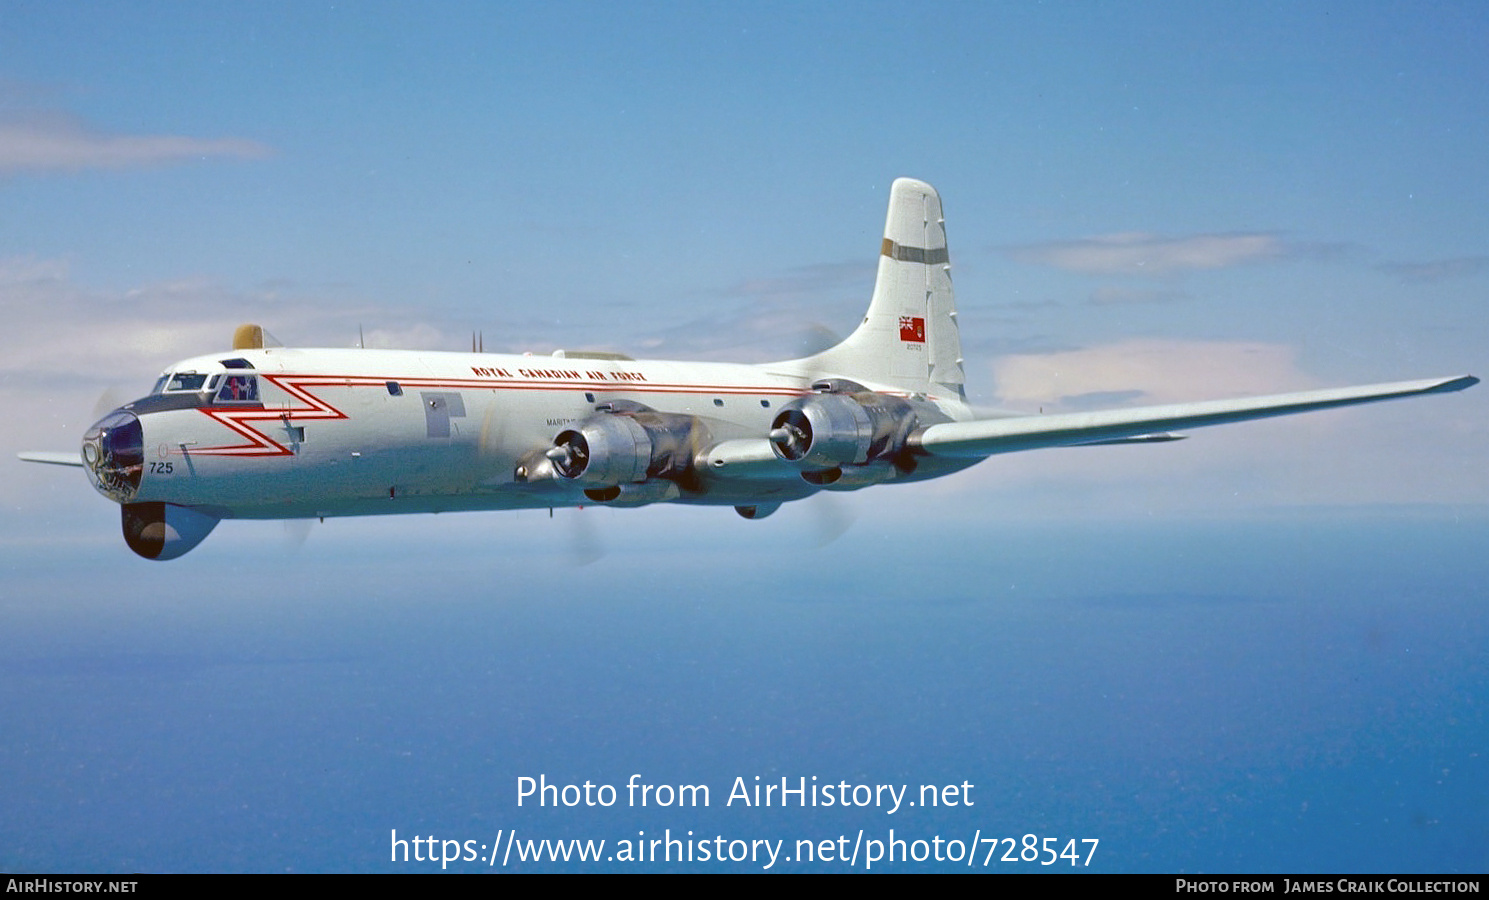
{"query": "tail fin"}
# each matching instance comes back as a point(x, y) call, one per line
point(909, 339)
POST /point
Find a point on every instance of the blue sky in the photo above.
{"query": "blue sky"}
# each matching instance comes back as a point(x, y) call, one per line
point(1146, 202)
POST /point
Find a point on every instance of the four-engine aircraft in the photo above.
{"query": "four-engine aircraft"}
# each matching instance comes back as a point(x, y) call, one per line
point(269, 432)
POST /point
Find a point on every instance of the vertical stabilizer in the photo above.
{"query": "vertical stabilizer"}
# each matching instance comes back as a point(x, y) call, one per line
point(909, 338)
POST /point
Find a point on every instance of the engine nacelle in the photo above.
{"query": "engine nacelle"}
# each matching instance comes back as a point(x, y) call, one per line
point(843, 427)
point(163, 530)
point(629, 444)
point(602, 450)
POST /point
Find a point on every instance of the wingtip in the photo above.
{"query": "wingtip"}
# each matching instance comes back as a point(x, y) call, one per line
point(1462, 382)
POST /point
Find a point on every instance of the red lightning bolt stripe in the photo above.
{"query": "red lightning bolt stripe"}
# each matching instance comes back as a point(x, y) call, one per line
point(307, 407)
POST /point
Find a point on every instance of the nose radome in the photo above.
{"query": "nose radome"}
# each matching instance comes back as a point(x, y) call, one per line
point(114, 453)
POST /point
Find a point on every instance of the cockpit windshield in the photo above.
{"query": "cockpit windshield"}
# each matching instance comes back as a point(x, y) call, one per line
point(184, 381)
point(209, 388)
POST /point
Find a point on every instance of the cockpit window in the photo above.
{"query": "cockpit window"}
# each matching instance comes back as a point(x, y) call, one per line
point(239, 389)
point(186, 381)
point(160, 384)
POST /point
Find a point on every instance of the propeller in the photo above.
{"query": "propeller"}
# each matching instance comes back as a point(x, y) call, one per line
point(296, 532)
point(830, 515)
point(831, 518)
point(816, 338)
point(794, 436)
point(587, 546)
point(113, 397)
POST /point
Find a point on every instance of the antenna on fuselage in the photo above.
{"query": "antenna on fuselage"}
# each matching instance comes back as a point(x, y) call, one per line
point(361, 341)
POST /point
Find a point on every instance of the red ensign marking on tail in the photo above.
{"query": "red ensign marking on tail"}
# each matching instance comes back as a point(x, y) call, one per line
point(912, 328)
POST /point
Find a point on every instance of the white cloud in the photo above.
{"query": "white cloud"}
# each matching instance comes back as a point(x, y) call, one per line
point(18, 270)
point(1148, 254)
point(1424, 450)
point(59, 143)
point(761, 332)
point(1147, 372)
point(410, 336)
point(58, 330)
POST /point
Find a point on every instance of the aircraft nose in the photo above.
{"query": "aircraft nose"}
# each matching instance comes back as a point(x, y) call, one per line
point(114, 453)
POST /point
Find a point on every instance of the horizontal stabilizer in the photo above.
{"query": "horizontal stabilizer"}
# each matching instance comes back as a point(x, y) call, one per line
point(985, 437)
point(53, 457)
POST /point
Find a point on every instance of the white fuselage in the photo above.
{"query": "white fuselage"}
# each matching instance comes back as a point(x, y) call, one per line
point(359, 432)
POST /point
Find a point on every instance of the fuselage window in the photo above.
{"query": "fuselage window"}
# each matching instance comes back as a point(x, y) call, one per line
point(394, 389)
point(239, 389)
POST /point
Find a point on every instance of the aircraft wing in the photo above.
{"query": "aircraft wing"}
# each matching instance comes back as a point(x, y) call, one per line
point(986, 437)
point(56, 458)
